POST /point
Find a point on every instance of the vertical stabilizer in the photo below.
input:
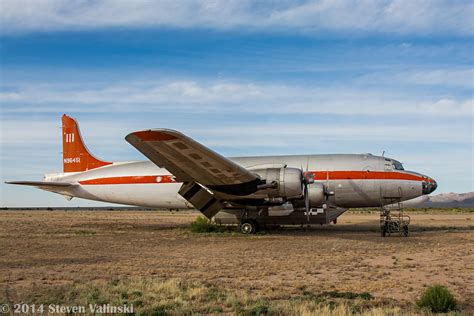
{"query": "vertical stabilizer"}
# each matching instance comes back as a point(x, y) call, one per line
point(76, 157)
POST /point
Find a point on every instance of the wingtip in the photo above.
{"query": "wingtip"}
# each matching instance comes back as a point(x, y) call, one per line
point(152, 135)
point(13, 182)
point(16, 182)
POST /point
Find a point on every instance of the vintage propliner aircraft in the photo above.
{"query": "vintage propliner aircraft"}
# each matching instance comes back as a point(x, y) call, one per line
point(250, 191)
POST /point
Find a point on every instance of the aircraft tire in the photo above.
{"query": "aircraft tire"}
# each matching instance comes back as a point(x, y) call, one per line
point(384, 230)
point(248, 227)
point(405, 230)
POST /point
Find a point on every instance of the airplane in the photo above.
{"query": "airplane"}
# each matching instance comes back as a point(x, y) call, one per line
point(252, 192)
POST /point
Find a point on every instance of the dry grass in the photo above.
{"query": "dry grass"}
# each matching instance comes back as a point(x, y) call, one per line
point(153, 261)
point(173, 296)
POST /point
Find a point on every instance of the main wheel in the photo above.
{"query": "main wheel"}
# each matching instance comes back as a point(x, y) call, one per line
point(384, 229)
point(405, 230)
point(248, 227)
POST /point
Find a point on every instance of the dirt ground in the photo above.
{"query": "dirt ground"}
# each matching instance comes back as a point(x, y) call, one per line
point(42, 249)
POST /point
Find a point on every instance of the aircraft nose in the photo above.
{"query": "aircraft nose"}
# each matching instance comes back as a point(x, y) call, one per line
point(429, 185)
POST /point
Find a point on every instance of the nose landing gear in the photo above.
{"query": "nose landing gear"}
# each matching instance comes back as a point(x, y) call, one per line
point(393, 225)
point(393, 220)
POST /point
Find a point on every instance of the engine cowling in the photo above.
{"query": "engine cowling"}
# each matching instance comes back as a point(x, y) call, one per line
point(317, 194)
point(289, 184)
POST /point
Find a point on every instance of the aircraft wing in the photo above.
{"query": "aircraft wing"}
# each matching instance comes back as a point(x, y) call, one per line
point(190, 161)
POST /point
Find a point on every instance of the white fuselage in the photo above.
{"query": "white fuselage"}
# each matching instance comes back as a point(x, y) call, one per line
point(356, 180)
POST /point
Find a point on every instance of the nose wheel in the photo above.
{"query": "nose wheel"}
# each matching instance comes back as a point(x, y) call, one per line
point(248, 226)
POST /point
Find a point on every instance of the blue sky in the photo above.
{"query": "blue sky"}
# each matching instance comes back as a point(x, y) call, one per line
point(243, 77)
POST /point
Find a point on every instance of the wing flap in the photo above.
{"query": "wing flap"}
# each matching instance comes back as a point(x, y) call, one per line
point(201, 199)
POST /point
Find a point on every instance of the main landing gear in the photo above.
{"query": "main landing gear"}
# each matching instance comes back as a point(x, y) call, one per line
point(248, 226)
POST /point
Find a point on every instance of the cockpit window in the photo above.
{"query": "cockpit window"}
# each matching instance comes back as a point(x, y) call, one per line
point(398, 166)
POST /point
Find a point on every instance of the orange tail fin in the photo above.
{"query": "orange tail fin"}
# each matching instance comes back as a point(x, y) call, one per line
point(76, 157)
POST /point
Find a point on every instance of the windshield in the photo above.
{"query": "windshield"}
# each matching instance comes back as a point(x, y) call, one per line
point(397, 165)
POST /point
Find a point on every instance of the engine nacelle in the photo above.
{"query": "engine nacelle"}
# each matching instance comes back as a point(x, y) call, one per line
point(316, 192)
point(289, 182)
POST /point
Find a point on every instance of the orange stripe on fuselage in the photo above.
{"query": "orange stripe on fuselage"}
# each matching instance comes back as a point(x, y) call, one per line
point(365, 175)
point(318, 175)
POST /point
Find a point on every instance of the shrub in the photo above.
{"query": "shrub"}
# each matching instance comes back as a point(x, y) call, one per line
point(204, 225)
point(258, 310)
point(437, 299)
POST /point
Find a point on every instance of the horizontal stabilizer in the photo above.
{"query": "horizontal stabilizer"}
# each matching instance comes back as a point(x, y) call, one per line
point(63, 188)
point(40, 184)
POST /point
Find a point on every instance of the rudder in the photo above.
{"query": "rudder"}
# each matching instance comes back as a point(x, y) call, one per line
point(76, 157)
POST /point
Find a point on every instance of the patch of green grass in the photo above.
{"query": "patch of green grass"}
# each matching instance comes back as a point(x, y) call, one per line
point(204, 225)
point(336, 294)
point(258, 310)
point(437, 299)
point(159, 310)
point(94, 296)
point(348, 295)
point(214, 294)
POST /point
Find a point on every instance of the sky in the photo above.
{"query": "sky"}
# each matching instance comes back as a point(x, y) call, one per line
point(242, 77)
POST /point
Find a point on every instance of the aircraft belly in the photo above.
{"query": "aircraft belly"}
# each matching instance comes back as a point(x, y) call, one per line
point(148, 195)
point(317, 216)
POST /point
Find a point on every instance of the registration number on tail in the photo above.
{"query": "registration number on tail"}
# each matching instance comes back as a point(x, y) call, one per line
point(72, 160)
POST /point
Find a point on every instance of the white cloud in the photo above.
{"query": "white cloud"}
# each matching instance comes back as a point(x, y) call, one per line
point(445, 77)
point(459, 78)
point(48, 131)
point(318, 16)
point(111, 132)
point(228, 97)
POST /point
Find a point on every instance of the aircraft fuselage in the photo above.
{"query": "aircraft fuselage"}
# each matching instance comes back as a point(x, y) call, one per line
point(356, 180)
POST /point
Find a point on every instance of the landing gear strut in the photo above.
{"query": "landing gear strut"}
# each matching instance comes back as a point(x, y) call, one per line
point(248, 226)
